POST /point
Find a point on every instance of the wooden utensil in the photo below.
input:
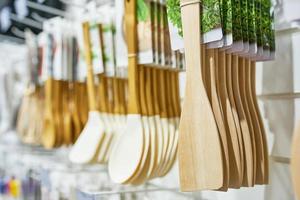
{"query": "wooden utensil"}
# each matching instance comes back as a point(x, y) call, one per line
point(241, 86)
point(262, 129)
point(49, 132)
point(210, 77)
point(295, 161)
point(235, 166)
point(234, 112)
point(260, 160)
point(233, 80)
point(128, 152)
point(87, 146)
point(201, 166)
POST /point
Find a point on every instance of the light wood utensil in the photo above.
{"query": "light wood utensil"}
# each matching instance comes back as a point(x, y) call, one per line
point(235, 166)
point(260, 160)
point(262, 129)
point(126, 157)
point(201, 166)
point(295, 161)
point(241, 78)
point(210, 76)
point(87, 146)
point(235, 113)
point(233, 75)
point(49, 131)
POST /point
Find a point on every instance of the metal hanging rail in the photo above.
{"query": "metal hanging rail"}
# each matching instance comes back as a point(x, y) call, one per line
point(46, 9)
point(27, 21)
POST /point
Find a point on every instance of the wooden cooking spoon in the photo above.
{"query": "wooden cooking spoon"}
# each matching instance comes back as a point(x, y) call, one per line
point(87, 146)
point(66, 114)
point(125, 158)
point(151, 119)
point(295, 161)
point(199, 147)
point(163, 117)
point(49, 129)
point(142, 174)
point(159, 130)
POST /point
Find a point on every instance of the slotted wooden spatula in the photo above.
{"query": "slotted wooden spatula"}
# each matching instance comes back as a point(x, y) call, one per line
point(199, 147)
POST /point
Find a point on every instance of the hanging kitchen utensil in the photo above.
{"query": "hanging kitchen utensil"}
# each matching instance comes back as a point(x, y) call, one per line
point(201, 166)
point(295, 161)
point(128, 151)
point(87, 146)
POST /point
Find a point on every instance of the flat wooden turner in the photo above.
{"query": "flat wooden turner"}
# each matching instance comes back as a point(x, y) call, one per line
point(199, 147)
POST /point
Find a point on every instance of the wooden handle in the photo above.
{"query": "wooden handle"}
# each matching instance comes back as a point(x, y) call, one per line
point(162, 94)
point(90, 73)
point(133, 79)
point(116, 95)
point(144, 110)
point(149, 93)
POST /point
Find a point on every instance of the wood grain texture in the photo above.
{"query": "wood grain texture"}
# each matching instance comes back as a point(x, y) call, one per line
point(231, 130)
point(199, 147)
point(257, 131)
point(233, 75)
point(234, 112)
point(295, 161)
point(211, 82)
point(264, 139)
point(241, 78)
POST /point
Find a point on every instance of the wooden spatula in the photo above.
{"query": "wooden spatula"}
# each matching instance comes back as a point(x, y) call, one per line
point(200, 165)
point(86, 148)
point(211, 85)
point(262, 129)
point(235, 152)
point(239, 68)
point(295, 161)
point(128, 152)
point(232, 74)
point(234, 112)
point(254, 118)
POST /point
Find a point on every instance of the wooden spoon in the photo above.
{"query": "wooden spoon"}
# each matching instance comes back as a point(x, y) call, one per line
point(142, 174)
point(199, 147)
point(66, 115)
point(163, 118)
point(159, 130)
point(49, 131)
point(126, 157)
point(151, 119)
point(87, 146)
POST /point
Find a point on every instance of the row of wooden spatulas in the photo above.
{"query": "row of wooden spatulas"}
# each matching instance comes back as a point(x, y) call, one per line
point(240, 142)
